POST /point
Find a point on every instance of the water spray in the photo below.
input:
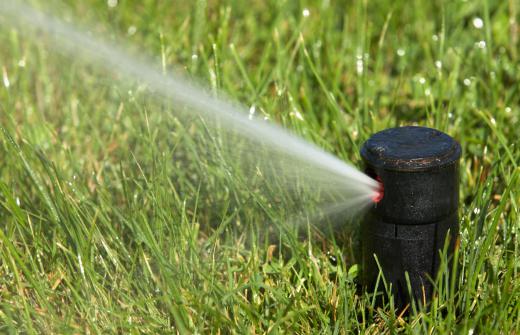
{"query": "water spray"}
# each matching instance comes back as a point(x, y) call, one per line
point(270, 149)
point(415, 211)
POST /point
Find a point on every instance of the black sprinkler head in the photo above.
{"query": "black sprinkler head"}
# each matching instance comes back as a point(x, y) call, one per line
point(415, 211)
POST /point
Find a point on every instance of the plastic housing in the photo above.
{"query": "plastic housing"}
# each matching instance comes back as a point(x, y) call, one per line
point(407, 228)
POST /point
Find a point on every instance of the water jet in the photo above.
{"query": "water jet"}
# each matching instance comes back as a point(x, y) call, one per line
point(255, 147)
point(415, 212)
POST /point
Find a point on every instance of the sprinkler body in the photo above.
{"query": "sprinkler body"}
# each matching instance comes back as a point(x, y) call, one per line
point(416, 212)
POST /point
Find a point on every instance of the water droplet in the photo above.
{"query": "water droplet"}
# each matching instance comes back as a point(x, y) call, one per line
point(467, 81)
point(7, 83)
point(359, 64)
point(132, 30)
point(306, 12)
point(112, 3)
point(401, 52)
point(297, 114)
point(478, 23)
point(252, 111)
point(332, 258)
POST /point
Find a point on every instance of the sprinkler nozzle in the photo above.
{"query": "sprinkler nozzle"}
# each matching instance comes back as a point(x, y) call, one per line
point(380, 192)
point(414, 211)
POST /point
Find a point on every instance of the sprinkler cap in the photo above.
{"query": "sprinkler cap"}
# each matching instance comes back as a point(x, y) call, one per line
point(410, 149)
point(418, 168)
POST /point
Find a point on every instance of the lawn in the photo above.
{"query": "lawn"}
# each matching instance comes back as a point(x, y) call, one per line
point(121, 214)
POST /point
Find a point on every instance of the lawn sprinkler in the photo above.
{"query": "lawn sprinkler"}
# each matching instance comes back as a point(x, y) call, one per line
point(414, 212)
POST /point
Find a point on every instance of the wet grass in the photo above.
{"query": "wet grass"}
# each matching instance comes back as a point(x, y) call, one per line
point(103, 232)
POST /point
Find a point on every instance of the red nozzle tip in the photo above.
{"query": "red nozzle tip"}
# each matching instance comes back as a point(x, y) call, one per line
point(380, 193)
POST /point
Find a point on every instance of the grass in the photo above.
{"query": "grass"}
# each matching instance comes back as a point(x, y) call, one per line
point(102, 232)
